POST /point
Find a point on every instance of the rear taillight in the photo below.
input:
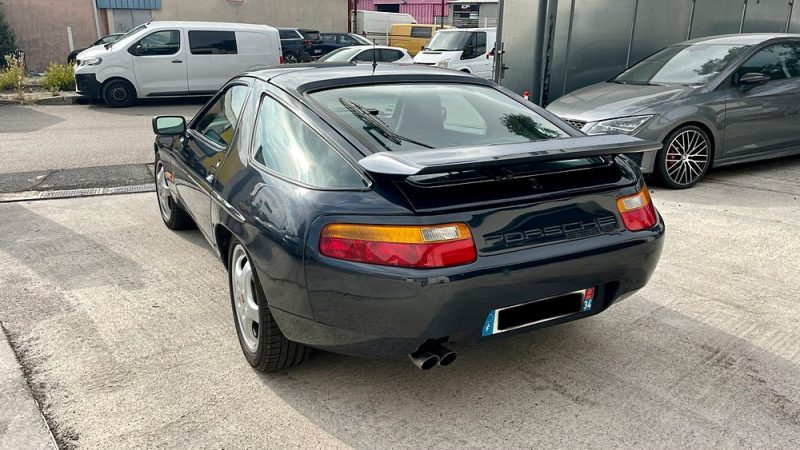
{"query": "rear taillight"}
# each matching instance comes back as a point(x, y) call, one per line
point(421, 247)
point(306, 42)
point(281, 61)
point(637, 211)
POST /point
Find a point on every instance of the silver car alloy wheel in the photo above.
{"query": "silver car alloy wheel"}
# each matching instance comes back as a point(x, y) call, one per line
point(162, 190)
point(687, 157)
point(244, 298)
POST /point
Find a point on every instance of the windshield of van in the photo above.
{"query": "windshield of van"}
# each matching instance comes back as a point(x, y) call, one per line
point(682, 64)
point(402, 117)
point(130, 33)
point(448, 41)
point(341, 55)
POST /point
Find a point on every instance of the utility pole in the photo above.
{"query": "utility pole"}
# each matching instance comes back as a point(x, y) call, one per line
point(499, 49)
point(355, 16)
point(442, 16)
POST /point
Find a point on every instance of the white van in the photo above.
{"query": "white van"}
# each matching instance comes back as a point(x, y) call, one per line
point(172, 59)
point(377, 25)
point(465, 49)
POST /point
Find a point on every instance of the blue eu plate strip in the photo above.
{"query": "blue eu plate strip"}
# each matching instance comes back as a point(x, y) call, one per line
point(488, 327)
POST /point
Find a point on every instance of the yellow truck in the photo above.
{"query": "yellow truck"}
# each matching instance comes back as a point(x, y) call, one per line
point(412, 37)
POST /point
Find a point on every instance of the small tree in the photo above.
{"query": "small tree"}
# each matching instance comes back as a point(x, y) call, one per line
point(7, 39)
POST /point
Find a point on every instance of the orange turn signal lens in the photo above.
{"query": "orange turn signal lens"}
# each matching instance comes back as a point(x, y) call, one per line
point(400, 245)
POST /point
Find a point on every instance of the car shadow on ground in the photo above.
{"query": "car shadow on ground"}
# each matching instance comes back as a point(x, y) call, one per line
point(34, 120)
point(645, 384)
point(145, 107)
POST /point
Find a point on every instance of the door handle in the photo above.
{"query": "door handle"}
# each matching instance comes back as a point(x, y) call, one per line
point(210, 178)
point(177, 61)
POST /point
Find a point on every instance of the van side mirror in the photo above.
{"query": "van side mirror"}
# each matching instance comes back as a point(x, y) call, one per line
point(752, 79)
point(169, 125)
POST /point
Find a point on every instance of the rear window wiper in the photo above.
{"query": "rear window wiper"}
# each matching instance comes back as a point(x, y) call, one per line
point(370, 118)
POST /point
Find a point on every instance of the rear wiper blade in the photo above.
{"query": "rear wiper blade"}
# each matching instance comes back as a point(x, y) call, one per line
point(370, 118)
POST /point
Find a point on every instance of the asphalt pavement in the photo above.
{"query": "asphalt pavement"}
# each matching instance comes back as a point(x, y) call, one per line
point(125, 331)
point(69, 146)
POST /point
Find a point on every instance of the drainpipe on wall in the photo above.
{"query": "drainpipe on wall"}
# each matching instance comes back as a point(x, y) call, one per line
point(96, 18)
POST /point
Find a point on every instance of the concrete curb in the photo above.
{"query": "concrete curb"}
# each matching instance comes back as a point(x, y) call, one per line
point(64, 99)
point(68, 98)
point(21, 420)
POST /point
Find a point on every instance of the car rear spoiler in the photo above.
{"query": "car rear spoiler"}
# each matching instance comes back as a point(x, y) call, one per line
point(418, 162)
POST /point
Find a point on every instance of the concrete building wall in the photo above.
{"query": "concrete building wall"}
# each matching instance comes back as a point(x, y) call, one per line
point(41, 28)
point(325, 15)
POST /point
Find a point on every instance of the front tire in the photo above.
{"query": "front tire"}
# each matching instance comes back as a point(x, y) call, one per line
point(263, 344)
point(119, 94)
point(173, 215)
point(685, 158)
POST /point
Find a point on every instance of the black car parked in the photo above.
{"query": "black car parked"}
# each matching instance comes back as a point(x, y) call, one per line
point(300, 44)
point(391, 211)
point(110, 39)
point(335, 41)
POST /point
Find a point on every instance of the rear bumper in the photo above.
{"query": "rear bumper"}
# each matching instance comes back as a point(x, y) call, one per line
point(86, 84)
point(389, 312)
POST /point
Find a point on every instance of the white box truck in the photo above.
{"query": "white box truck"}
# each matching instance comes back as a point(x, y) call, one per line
point(377, 26)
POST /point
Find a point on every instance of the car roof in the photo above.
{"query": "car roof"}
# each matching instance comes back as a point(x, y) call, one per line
point(367, 46)
point(299, 78)
point(299, 29)
point(467, 29)
point(740, 39)
point(207, 25)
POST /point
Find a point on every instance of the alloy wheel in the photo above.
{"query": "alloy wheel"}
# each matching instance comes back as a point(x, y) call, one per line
point(162, 190)
point(687, 157)
point(244, 298)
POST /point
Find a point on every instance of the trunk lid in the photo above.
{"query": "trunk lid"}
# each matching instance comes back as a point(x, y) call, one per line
point(517, 196)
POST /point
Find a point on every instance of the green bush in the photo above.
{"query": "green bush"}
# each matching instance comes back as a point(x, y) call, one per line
point(58, 77)
point(12, 77)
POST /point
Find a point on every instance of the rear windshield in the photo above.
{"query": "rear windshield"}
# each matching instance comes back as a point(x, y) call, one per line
point(310, 35)
point(424, 116)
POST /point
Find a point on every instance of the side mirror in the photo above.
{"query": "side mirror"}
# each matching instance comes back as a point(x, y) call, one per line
point(751, 79)
point(169, 125)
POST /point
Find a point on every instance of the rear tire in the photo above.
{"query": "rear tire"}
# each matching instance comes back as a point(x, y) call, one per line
point(685, 158)
point(119, 94)
point(263, 344)
point(173, 215)
point(290, 58)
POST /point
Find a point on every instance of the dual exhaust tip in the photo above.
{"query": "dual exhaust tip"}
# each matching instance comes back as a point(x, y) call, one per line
point(428, 356)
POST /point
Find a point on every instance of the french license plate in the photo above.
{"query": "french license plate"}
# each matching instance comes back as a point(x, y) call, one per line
point(526, 314)
point(317, 52)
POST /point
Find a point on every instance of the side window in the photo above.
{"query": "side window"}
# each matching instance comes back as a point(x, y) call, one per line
point(212, 42)
point(329, 38)
point(287, 34)
point(421, 32)
point(365, 56)
point(346, 40)
point(285, 144)
point(160, 43)
point(480, 47)
point(218, 123)
point(779, 62)
point(390, 55)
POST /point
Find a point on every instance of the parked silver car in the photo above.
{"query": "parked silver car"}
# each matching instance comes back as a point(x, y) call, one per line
point(712, 101)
